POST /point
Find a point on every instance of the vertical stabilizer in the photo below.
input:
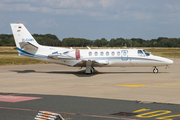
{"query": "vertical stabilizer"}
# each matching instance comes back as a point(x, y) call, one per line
point(22, 35)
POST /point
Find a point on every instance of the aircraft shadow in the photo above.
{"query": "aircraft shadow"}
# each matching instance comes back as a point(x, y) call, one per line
point(78, 73)
point(24, 71)
point(82, 72)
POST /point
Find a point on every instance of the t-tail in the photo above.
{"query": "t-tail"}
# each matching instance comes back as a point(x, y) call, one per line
point(25, 42)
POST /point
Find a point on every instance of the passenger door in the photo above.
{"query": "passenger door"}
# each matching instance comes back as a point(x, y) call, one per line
point(124, 54)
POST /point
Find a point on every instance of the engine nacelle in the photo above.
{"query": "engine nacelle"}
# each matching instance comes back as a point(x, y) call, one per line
point(77, 54)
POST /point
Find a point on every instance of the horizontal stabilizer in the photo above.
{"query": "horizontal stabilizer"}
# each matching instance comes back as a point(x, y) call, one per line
point(24, 45)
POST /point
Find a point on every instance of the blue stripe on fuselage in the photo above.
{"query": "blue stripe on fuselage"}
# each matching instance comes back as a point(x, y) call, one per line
point(24, 53)
point(120, 58)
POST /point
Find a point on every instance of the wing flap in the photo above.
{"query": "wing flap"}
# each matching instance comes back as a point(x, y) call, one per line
point(82, 63)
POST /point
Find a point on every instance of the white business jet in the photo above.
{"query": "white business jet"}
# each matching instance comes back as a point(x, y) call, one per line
point(89, 58)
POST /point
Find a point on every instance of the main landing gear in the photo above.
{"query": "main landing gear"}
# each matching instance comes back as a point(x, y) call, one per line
point(89, 68)
point(155, 70)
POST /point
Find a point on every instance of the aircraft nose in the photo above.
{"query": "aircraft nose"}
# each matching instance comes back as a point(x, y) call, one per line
point(169, 62)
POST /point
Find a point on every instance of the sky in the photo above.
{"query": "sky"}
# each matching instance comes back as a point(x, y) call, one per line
point(94, 19)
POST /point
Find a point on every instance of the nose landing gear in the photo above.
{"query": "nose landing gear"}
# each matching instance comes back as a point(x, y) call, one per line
point(155, 70)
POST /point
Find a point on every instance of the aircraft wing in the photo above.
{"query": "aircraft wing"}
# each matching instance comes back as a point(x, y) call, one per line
point(55, 56)
point(82, 63)
point(101, 62)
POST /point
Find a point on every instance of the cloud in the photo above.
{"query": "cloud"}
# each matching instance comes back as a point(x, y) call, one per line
point(68, 3)
point(108, 3)
point(13, 1)
point(142, 15)
point(17, 7)
point(104, 9)
point(94, 18)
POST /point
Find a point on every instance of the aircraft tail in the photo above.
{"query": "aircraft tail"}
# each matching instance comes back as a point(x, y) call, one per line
point(23, 39)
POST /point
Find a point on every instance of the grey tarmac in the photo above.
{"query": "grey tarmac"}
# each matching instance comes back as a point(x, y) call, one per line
point(132, 91)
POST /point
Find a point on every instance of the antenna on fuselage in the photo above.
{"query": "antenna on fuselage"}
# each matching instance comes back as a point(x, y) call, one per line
point(88, 47)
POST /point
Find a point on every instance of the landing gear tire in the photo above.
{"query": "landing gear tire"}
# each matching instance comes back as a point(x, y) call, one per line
point(155, 70)
point(91, 71)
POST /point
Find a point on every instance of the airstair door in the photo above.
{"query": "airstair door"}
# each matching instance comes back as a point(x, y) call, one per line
point(124, 54)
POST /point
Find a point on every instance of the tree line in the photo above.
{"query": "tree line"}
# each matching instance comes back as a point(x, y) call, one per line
point(52, 40)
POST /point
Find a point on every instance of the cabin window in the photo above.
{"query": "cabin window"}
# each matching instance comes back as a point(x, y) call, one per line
point(140, 53)
point(90, 53)
point(96, 53)
point(102, 53)
point(113, 53)
point(118, 53)
point(107, 53)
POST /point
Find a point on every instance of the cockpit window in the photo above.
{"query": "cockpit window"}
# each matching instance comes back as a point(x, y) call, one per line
point(140, 52)
point(146, 52)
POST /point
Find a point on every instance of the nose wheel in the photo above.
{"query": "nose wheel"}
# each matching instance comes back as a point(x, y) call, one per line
point(155, 70)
